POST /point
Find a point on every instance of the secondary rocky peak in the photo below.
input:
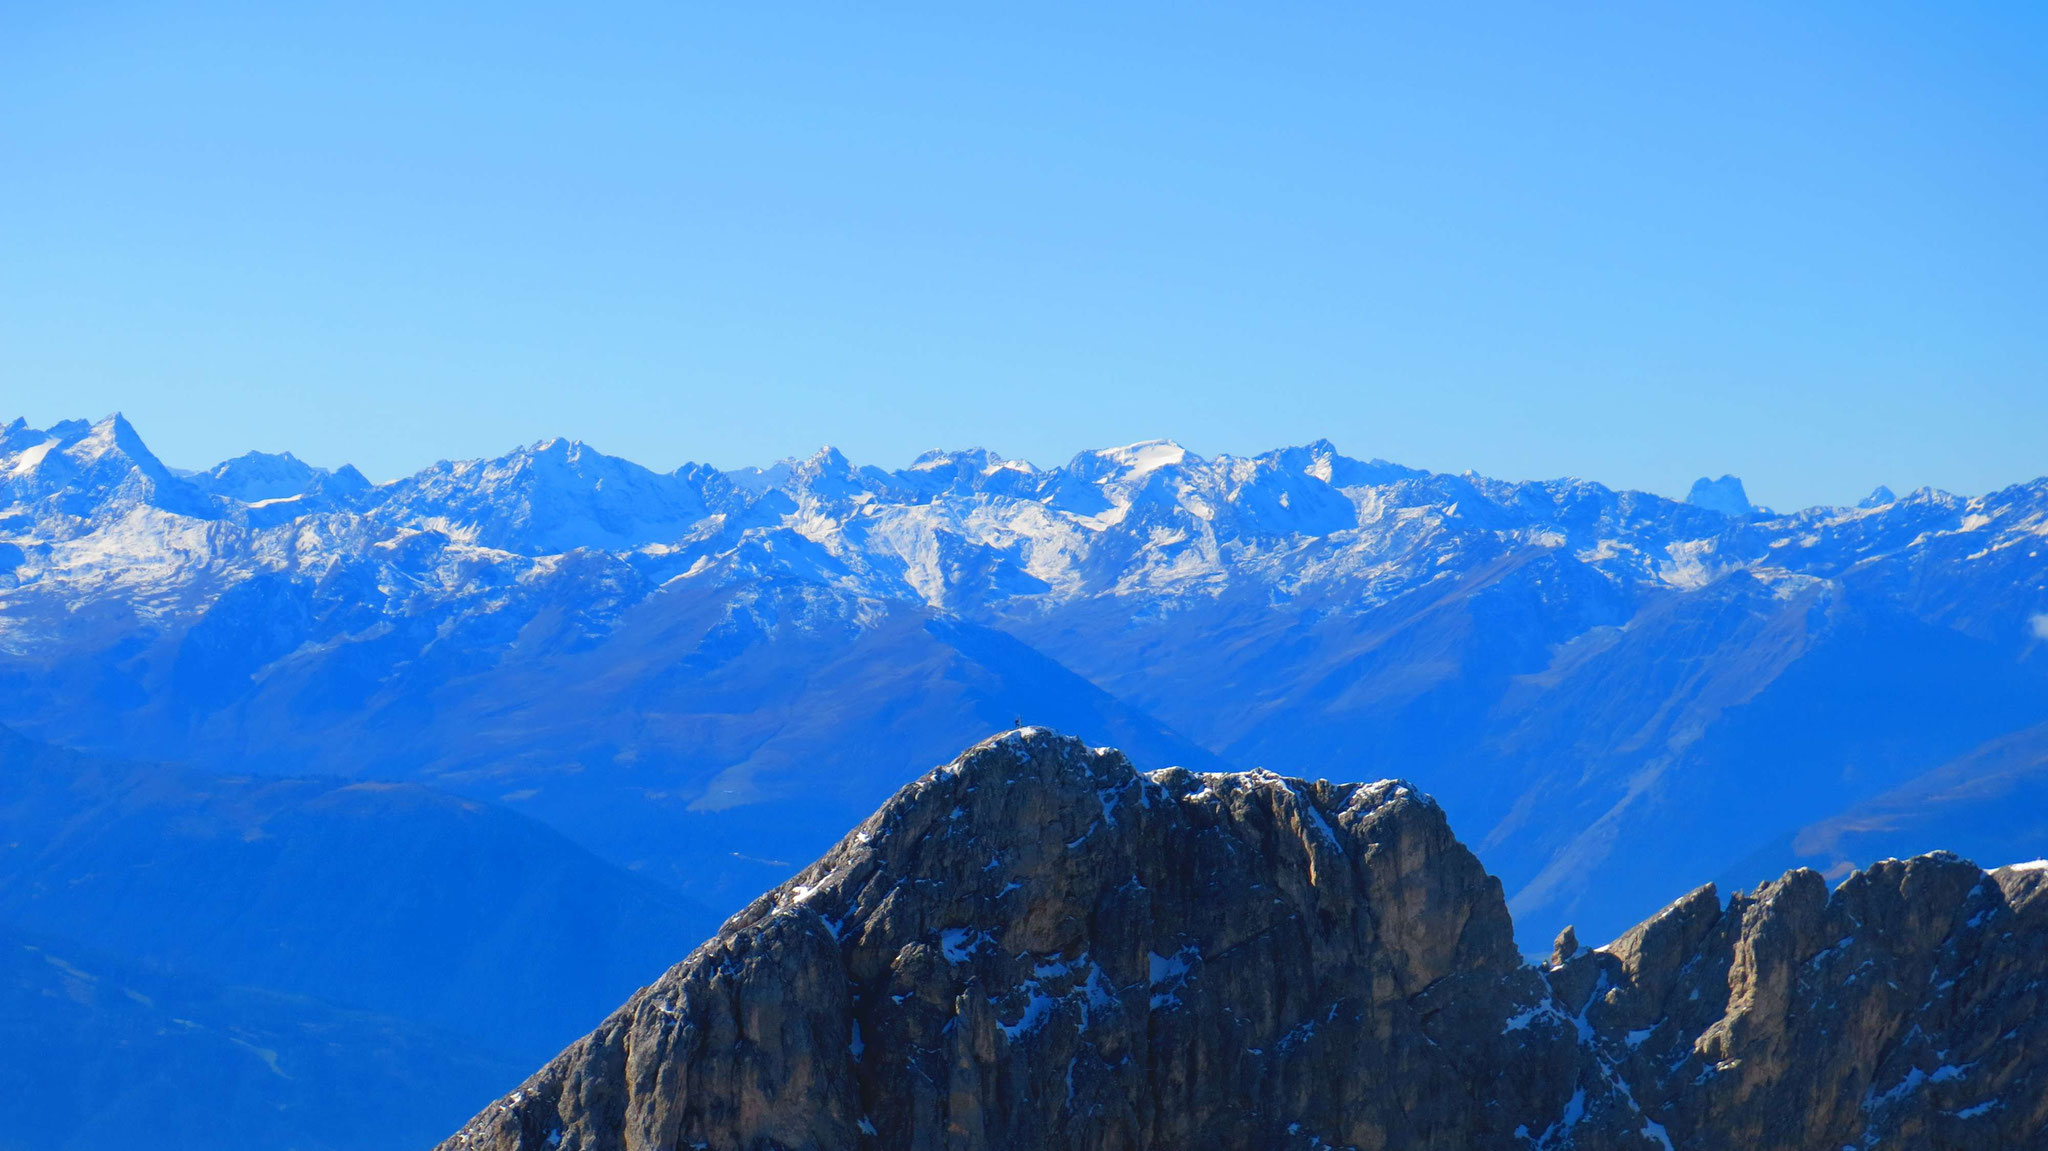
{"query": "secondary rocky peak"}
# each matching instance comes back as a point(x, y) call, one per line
point(1039, 946)
point(1724, 495)
point(260, 477)
point(1893, 1011)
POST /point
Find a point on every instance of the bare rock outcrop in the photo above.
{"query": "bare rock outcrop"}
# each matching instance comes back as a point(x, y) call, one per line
point(1038, 946)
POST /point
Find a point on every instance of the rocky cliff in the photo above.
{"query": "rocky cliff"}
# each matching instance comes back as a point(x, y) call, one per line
point(1038, 946)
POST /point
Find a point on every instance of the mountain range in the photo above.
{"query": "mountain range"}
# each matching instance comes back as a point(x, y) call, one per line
point(695, 673)
point(606, 705)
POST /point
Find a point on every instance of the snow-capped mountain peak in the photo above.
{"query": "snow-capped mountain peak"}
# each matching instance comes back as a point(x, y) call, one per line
point(1149, 519)
point(1383, 595)
point(78, 470)
point(1144, 457)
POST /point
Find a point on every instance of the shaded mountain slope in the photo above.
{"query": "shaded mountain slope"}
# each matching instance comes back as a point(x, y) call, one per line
point(1990, 803)
point(389, 897)
point(106, 1053)
point(391, 941)
point(701, 721)
point(1038, 946)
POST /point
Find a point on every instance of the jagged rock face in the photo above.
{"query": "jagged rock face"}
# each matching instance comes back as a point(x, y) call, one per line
point(1902, 1010)
point(1038, 946)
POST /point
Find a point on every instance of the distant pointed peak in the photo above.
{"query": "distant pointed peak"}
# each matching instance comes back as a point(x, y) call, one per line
point(114, 433)
point(1879, 496)
point(827, 459)
point(111, 429)
point(18, 435)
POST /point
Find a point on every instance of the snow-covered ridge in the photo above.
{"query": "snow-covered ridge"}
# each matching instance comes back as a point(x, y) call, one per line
point(87, 512)
point(555, 611)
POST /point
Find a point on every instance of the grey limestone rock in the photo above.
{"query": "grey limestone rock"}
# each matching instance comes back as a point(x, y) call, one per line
point(1038, 946)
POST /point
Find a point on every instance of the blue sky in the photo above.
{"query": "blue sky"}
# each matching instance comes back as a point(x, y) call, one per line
point(1801, 243)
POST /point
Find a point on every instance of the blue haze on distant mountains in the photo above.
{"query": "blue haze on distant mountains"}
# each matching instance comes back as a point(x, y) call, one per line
point(705, 677)
point(351, 964)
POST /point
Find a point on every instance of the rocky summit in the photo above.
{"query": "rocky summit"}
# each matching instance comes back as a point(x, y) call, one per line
point(1038, 946)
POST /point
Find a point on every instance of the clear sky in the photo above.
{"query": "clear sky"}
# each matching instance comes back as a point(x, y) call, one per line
point(1805, 243)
